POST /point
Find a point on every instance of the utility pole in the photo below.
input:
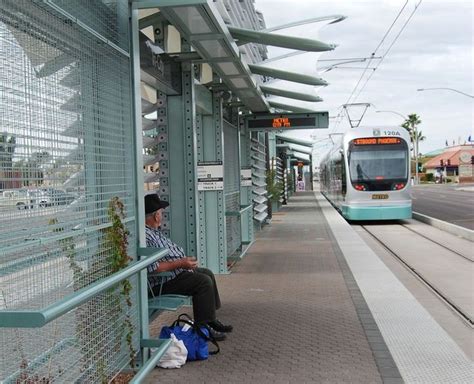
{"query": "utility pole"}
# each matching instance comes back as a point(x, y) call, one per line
point(417, 181)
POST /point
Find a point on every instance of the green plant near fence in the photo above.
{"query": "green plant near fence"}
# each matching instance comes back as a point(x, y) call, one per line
point(113, 243)
point(117, 238)
point(274, 188)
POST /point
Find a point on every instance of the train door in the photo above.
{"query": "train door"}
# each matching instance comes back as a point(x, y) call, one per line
point(343, 176)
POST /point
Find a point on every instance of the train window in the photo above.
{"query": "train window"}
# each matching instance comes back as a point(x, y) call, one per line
point(378, 166)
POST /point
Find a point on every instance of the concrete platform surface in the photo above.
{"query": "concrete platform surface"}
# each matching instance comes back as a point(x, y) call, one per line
point(297, 313)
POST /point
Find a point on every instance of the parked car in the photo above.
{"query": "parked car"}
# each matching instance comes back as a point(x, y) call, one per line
point(57, 196)
point(41, 198)
point(18, 198)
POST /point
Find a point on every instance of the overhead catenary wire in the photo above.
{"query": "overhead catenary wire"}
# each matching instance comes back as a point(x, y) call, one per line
point(340, 114)
point(389, 48)
point(375, 51)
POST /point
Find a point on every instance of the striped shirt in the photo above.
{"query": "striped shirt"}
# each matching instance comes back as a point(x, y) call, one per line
point(156, 239)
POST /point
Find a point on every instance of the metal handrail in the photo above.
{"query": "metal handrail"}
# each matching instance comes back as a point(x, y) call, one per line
point(39, 318)
point(162, 345)
point(243, 208)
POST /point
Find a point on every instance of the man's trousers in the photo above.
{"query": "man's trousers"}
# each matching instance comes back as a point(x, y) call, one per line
point(201, 285)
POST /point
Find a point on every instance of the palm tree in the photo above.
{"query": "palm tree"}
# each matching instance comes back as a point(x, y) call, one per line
point(411, 125)
point(420, 137)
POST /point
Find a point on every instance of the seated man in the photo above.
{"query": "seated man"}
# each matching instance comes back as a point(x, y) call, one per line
point(186, 278)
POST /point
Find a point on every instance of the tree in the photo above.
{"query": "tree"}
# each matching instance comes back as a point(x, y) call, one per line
point(411, 125)
point(421, 137)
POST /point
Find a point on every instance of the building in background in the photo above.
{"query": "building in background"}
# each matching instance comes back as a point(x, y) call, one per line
point(455, 162)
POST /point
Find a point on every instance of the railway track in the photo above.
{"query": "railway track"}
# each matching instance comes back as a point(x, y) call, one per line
point(470, 258)
point(420, 274)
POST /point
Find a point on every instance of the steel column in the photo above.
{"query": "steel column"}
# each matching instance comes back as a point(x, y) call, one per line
point(212, 231)
point(182, 164)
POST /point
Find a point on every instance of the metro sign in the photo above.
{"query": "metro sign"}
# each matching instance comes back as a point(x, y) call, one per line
point(287, 121)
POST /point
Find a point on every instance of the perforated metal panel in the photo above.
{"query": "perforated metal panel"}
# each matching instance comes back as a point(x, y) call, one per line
point(65, 151)
point(232, 187)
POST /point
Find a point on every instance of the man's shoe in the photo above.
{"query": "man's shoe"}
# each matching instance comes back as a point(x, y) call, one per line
point(216, 325)
point(218, 336)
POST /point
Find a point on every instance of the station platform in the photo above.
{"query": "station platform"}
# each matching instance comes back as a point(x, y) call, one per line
point(311, 303)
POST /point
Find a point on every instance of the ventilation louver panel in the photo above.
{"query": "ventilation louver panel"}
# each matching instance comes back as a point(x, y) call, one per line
point(257, 155)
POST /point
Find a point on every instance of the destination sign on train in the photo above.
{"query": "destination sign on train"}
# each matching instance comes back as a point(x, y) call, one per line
point(287, 121)
point(377, 140)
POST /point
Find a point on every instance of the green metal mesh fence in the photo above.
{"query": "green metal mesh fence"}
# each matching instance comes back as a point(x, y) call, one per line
point(65, 151)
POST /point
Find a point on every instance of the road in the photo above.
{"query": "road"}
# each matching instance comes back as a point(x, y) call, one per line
point(451, 203)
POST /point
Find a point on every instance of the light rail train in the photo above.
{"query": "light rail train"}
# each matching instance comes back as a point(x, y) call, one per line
point(366, 175)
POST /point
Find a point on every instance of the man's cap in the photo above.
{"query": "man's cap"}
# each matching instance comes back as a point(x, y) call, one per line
point(153, 203)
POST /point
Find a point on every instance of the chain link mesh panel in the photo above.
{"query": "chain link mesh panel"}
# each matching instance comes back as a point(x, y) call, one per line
point(65, 152)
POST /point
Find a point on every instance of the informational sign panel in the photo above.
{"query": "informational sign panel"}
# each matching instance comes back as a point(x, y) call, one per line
point(465, 170)
point(287, 121)
point(246, 177)
point(210, 176)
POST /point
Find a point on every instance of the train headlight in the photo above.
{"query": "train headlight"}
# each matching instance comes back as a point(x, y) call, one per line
point(398, 186)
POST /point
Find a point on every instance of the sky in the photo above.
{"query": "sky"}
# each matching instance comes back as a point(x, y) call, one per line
point(433, 50)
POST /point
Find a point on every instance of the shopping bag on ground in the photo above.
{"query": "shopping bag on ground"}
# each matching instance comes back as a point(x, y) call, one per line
point(195, 337)
point(175, 356)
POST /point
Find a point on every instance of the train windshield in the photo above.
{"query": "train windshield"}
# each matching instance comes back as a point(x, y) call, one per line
point(378, 164)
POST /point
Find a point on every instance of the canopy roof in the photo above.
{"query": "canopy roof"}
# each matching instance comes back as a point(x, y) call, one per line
point(201, 24)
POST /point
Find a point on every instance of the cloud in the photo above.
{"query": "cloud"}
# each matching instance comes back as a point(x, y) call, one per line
point(433, 51)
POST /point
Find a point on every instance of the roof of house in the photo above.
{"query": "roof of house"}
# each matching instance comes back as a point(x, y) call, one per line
point(452, 154)
point(434, 153)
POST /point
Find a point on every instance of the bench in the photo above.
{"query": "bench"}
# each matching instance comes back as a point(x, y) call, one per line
point(165, 302)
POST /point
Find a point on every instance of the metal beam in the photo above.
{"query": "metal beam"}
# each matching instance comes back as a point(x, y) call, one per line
point(335, 18)
point(300, 43)
point(293, 148)
point(287, 107)
point(290, 94)
point(286, 75)
point(295, 141)
point(296, 158)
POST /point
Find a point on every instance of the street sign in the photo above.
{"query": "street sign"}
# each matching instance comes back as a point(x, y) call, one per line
point(210, 176)
point(286, 121)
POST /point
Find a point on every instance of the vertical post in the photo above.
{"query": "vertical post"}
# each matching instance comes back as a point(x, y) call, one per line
point(140, 210)
point(182, 164)
point(212, 250)
point(416, 155)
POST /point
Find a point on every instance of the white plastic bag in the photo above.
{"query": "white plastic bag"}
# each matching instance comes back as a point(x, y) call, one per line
point(175, 356)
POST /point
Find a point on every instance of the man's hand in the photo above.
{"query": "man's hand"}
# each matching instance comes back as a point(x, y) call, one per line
point(184, 263)
point(189, 263)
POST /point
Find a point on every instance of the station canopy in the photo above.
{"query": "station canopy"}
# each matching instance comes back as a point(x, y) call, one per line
point(200, 23)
